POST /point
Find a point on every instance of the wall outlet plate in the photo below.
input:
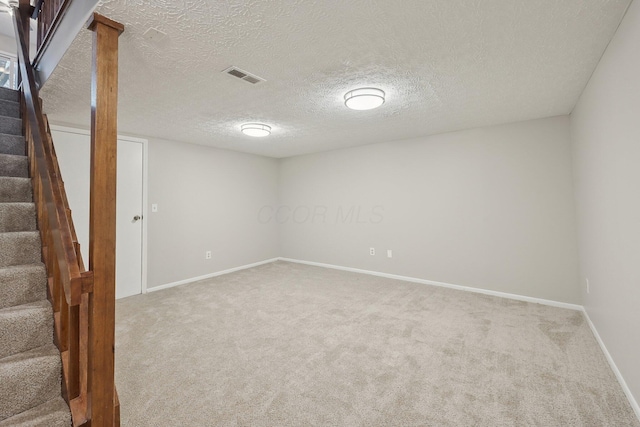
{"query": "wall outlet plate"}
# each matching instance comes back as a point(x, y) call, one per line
point(372, 251)
point(207, 255)
point(389, 253)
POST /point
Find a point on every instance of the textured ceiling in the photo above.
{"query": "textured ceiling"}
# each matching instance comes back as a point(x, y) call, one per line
point(444, 64)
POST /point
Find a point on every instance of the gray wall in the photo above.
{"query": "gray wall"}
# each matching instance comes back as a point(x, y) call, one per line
point(606, 135)
point(7, 44)
point(490, 208)
point(208, 200)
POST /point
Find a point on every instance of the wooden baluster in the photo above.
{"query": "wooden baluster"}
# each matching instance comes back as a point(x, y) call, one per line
point(57, 293)
point(42, 220)
point(102, 223)
point(46, 19)
point(37, 198)
point(46, 15)
point(40, 27)
point(73, 374)
point(64, 312)
point(84, 346)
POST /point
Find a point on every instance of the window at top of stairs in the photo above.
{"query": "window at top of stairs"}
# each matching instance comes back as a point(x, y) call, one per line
point(7, 71)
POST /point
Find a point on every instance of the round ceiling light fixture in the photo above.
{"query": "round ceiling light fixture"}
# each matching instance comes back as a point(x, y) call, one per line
point(366, 98)
point(256, 129)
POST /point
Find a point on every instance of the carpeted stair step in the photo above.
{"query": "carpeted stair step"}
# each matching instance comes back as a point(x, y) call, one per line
point(10, 125)
point(22, 284)
point(14, 189)
point(19, 248)
point(30, 365)
point(17, 217)
point(53, 413)
point(12, 144)
point(29, 379)
point(9, 109)
point(9, 95)
point(25, 327)
point(12, 165)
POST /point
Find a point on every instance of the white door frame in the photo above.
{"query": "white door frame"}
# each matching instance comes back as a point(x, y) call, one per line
point(145, 169)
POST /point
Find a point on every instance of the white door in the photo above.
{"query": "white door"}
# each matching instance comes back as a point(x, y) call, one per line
point(73, 148)
point(129, 220)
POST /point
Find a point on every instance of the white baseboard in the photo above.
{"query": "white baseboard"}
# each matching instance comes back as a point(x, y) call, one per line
point(442, 284)
point(210, 275)
point(614, 368)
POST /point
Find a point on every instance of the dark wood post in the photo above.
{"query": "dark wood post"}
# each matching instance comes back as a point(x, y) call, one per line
point(102, 223)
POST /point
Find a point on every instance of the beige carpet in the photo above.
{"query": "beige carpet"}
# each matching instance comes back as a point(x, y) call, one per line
point(292, 345)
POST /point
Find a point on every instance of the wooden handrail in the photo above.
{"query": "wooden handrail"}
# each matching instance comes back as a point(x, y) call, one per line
point(61, 234)
point(83, 301)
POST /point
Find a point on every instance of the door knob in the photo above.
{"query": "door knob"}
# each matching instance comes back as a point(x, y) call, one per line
point(137, 217)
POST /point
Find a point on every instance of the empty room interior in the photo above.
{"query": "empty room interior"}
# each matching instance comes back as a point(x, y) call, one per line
point(351, 213)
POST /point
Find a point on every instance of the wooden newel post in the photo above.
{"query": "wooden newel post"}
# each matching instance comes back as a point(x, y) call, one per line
point(102, 223)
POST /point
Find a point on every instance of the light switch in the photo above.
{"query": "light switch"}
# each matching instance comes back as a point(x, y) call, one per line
point(154, 207)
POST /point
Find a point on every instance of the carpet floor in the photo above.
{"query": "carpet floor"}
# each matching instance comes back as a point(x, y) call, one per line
point(286, 344)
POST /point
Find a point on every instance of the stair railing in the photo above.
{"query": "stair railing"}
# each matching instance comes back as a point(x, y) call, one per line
point(48, 14)
point(83, 300)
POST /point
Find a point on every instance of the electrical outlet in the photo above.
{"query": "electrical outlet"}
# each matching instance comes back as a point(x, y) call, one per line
point(207, 255)
point(389, 253)
point(587, 280)
point(372, 251)
point(154, 207)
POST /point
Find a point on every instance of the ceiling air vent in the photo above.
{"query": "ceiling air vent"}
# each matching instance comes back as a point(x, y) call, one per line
point(243, 75)
point(154, 34)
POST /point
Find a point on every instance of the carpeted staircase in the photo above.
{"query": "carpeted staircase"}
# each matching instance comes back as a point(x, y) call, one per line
point(29, 361)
